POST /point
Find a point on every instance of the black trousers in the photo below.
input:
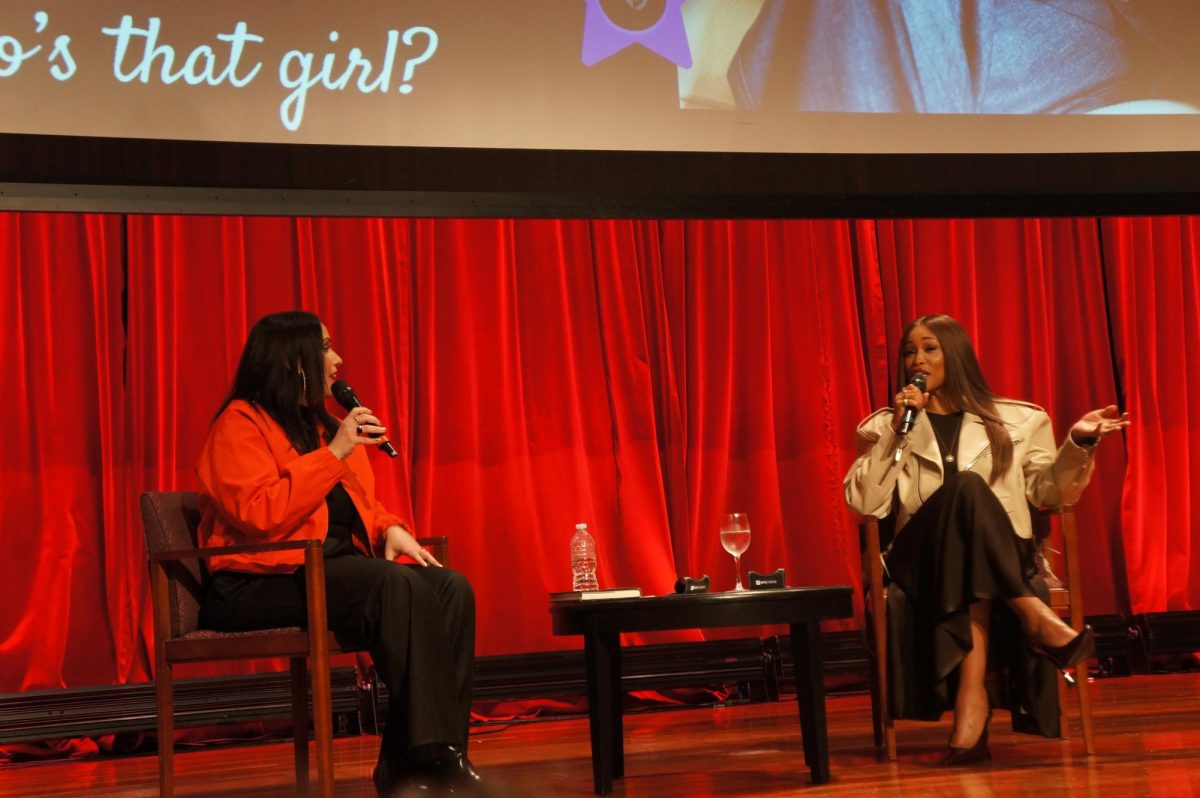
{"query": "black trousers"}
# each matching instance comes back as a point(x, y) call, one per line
point(418, 623)
point(958, 548)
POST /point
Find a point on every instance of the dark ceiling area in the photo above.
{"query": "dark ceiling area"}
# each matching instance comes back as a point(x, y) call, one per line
point(58, 173)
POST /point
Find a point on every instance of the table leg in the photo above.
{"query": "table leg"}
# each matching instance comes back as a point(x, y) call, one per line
point(810, 694)
point(602, 655)
point(617, 725)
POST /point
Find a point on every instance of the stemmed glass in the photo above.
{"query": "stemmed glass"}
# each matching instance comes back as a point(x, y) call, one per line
point(735, 539)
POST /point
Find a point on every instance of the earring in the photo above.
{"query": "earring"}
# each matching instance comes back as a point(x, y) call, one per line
point(303, 382)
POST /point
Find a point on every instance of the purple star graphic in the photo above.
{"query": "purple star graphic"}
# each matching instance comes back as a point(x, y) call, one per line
point(667, 37)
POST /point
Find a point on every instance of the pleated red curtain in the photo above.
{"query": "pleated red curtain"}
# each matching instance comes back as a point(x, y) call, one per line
point(1031, 294)
point(642, 376)
point(537, 374)
point(195, 287)
point(534, 410)
point(770, 385)
point(69, 580)
point(1152, 266)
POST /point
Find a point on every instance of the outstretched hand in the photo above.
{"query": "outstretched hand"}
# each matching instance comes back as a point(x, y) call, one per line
point(1099, 423)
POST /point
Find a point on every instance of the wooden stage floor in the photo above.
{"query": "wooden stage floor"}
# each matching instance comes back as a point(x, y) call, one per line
point(1148, 740)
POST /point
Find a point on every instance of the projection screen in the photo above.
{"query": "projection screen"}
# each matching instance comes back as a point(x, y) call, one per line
point(770, 76)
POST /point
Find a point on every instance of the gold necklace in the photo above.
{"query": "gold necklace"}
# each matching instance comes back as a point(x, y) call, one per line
point(949, 450)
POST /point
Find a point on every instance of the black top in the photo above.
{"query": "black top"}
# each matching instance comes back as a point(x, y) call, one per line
point(343, 521)
point(945, 428)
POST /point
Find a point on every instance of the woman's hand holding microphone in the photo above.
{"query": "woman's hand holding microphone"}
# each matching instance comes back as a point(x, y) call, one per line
point(360, 426)
point(912, 396)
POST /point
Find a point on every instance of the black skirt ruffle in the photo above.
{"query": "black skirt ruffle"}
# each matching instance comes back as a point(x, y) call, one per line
point(959, 547)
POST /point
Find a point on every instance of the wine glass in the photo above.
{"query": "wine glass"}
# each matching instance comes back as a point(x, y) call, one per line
point(735, 539)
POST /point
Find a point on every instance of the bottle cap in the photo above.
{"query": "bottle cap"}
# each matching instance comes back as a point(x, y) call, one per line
point(581, 526)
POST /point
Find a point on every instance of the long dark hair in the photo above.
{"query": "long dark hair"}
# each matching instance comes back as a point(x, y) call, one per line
point(282, 371)
point(964, 387)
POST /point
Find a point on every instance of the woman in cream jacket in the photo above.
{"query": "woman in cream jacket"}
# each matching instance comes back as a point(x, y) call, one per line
point(960, 483)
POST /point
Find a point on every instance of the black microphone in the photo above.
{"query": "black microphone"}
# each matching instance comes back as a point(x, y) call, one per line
point(910, 412)
point(348, 399)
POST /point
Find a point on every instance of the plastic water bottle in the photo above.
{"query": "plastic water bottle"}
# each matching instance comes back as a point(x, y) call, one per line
point(583, 560)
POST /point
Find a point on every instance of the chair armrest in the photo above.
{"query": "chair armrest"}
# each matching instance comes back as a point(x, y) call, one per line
point(1061, 509)
point(245, 548)
point(1069, 557)
point(440, 545)
point(872, 554)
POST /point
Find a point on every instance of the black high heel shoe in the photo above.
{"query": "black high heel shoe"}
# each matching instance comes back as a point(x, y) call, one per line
point(1082, 646)
point(976, 753)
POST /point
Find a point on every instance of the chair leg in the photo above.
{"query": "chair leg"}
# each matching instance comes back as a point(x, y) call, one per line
point(881, 682)
point(323, 723)
point(876, 717)
point(1075, 580)
point(885, 717)
point(366, 680)
point(1085, 708)
point(1064, 723)
point(164, 690)
point(300, 721)
point(873, 565)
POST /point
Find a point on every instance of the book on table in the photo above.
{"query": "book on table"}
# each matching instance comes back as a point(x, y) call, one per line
point(596, 595)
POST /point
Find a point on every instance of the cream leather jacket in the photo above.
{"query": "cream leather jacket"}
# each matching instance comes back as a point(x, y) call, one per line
point(1039, 475)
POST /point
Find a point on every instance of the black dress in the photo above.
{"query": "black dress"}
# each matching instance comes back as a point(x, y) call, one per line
point(959, 547)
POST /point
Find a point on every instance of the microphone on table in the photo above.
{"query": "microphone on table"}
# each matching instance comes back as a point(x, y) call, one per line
point(348, 399)
point(909, 419)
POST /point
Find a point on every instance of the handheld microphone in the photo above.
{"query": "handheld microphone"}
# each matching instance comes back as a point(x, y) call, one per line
point(910, 413)
point(348, 399)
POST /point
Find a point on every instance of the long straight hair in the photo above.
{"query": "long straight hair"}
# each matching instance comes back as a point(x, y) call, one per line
point(964, 386)
point(282, 371)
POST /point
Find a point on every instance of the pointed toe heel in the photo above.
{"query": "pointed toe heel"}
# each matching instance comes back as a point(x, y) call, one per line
point(1081, 647)
point(956, 757)
point(970, 756)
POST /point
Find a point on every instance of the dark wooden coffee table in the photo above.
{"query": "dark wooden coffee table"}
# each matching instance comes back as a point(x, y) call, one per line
point(602, 622)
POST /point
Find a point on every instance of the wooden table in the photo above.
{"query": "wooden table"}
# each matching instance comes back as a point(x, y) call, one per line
point(601, 623)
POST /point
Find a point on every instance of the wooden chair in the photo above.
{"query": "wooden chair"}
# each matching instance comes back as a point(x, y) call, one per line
point(1065, 598)
point(178, 581)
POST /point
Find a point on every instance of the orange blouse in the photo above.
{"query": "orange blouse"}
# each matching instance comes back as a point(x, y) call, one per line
point(260, 489)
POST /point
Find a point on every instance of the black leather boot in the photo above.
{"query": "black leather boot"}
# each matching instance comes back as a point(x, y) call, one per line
point(444, 765)
point(391, 773)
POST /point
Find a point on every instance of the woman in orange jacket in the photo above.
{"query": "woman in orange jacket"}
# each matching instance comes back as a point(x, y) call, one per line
point(277, 466)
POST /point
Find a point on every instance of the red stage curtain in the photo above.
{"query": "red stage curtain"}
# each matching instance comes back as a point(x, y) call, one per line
point(71, 580)
point(1030, 293)
point(544, 389)
point(196, 286)
point(533, 410)
point(766, 345)
point(642, 376)
point(1152, 267)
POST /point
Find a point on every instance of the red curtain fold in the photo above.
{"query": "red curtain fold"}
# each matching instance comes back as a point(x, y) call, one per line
point(642, 376)
point(766, 338)
point(69, 595)
point(534, 411)
point(197, 285)
point(1151, 267)
point(1030, 293)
